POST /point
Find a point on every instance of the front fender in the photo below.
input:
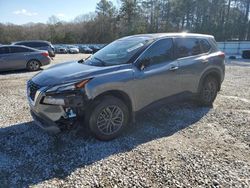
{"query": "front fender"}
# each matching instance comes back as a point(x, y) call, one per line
point(120, 80)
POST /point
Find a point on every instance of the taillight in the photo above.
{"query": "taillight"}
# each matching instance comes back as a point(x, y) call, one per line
point(46, 54)
point(222, 55)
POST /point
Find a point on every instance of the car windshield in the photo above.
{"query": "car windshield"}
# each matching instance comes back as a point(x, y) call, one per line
point(117, 52)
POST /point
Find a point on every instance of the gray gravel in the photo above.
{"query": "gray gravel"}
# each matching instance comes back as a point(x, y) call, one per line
point(176, 146)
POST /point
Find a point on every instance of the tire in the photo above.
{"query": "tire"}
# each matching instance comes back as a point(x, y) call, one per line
point(246, 54)
point(108, 118)
point(208, 91)
point(33, 65)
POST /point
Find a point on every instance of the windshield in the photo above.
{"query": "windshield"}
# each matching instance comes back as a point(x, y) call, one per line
point(117, 52)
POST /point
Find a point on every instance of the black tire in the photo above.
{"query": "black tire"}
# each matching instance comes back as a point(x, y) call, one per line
point(208, 91)
point(246, 54)
point(33, 65)
point(101, 121)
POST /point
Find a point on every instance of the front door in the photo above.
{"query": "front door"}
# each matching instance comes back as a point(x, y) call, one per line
point(158, 76)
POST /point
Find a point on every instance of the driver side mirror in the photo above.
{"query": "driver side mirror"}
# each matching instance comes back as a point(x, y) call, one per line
point(143, 63)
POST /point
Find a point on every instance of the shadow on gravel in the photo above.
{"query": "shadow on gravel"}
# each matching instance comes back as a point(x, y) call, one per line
point(29, 156)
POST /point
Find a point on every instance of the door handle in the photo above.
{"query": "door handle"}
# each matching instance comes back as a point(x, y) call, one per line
point(173, 67)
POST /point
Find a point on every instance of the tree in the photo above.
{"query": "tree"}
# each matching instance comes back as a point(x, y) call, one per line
point(106, 20)
point(225, 19)
point(129, 13)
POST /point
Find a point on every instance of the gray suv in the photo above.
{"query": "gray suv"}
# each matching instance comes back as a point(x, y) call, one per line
point(105, 91)
point(38, 44)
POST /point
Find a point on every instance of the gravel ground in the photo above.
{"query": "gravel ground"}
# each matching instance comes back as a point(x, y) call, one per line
point(176, 146)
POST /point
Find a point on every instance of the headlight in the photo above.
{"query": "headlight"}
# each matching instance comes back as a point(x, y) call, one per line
point(58, 99)
point(68, 87)
point(53, 100)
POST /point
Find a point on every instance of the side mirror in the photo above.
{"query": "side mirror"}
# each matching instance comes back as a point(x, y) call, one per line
point(143, 63)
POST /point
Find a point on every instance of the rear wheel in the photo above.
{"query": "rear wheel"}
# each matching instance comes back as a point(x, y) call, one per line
point(108, 118)
point(33, 65)
point(208, 91)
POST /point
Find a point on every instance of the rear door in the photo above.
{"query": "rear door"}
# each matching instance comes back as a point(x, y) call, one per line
point(192, 59)
point(18, 57)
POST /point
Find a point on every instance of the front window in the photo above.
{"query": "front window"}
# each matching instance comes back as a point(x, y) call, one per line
point(118, 52)
point(160, 52)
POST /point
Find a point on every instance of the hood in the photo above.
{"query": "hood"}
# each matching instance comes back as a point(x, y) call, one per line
point(68, 72)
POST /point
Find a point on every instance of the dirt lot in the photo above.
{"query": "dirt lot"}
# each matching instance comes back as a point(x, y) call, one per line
point(175, 146)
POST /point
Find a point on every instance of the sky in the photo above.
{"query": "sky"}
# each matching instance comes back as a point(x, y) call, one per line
point(26, 11)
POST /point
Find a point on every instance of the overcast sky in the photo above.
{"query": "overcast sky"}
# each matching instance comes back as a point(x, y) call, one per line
point(25, 11)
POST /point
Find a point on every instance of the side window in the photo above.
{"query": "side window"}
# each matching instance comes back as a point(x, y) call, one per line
point(161, 51)
point(30, 44)
point(18, 50)
point(21, 43)
point(187, 47)
point(41, 44)
point(4, 50)
point(205, 46)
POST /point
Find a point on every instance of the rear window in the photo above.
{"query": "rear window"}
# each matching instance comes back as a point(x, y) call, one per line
point(33, 44)
point(4, 50)
point(187, 47)
point(205, 46)
point(19, 50)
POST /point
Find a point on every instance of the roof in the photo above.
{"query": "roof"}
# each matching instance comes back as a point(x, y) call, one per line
point(12, 45)
point(32, 41)
point(162, 35)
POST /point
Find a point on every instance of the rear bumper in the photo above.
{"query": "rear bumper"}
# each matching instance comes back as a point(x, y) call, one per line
point(52, 53)
point(45, 61)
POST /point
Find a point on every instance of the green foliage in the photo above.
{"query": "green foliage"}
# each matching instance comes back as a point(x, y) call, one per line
point(225, 19)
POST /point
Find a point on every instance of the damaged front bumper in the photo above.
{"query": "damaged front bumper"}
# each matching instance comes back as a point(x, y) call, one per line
point(55, 118)
point(45, 123)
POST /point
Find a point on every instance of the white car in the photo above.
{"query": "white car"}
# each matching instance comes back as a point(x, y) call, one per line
point(73, 50)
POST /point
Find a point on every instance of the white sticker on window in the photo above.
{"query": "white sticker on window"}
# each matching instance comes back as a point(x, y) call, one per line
point(134, 47)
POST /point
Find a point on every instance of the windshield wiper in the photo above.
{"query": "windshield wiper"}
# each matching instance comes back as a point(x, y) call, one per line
point(81, 61)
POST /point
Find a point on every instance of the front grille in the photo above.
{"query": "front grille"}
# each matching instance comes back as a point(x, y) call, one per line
point(32, 89)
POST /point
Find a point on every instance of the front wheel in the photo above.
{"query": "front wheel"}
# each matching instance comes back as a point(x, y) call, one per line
point(33, 65)
point(208, 91)
point(108, 118)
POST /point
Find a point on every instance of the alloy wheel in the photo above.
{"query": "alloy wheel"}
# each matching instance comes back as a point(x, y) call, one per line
point(34, 65)
point(110, 120)
point(209, 91)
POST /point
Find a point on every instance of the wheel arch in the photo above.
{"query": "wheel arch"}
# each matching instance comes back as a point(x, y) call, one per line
point(214, 73)
point(124, 97)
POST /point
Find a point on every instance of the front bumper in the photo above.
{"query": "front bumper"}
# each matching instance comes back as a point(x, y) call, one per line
point(45, 123)
point(52, 118)
point(45, 116)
